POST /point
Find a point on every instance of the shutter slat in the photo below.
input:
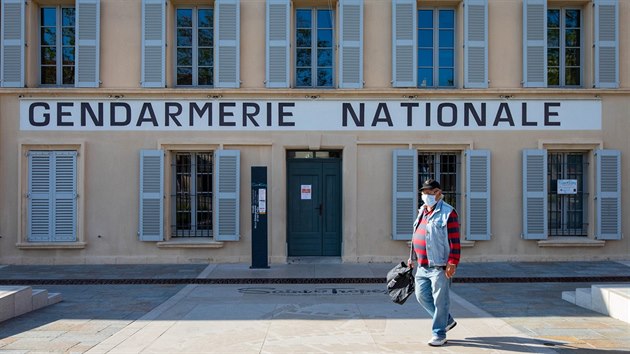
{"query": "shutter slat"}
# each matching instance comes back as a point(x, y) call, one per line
point(404, 56)
point(151, 213)
point(535, 43)
point(608, 195)
point(277, 50)
point(535, 194)
point(351, 46)
point(227, 221)
point(404, 193)
point(12, 43)
point(476, 43)
point(606, 43)
point(153, 43)
point(88, 43)
point(478, 209)
point(227, 48)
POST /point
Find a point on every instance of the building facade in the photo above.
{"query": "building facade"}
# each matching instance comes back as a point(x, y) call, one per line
point(129, 128)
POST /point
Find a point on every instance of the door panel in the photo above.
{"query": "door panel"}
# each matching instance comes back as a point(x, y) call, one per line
point(314, 221)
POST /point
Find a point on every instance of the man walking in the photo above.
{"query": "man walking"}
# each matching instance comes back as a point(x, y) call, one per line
point(436, 248)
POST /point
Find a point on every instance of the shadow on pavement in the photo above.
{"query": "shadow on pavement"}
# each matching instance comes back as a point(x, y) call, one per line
point(524, 345)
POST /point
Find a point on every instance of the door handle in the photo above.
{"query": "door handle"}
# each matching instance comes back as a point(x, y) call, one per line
point(320, 208)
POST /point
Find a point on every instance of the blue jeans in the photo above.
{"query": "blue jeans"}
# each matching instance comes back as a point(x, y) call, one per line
point(432, 292)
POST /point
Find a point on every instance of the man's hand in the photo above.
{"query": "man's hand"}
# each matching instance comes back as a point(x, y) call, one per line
point(410, 263)
point(450, 270)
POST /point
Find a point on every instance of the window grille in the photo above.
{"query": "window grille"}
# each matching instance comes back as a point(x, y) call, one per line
point(567, 212)
point(444, 167)
point(192, 194)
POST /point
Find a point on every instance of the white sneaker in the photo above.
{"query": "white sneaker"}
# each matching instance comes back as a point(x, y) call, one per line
point(437, 342)
point(451, 326)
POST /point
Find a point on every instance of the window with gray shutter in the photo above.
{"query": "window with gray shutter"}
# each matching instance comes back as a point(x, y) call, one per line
point(606, 43)
point(227, 203)
point(277, 49)
point(151, 211)
point(535, 194)
point(52, 193)
point(476, 43)
point(88, 43)
point(404, 193)
point(608, 195)
point(478, 208)
point(534, 43)
point(153, 43)
point(404, 56)
point(351, 44)
point(227, 47)
point(12, 48)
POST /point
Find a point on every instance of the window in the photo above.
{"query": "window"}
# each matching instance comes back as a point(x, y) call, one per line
point(436, 48)
point(57, 45)
point(195, 46)
point(564, 43)
point(444, 167)
point(567, 206)
point(192, 194)
point(52, 196)
point(314, 43)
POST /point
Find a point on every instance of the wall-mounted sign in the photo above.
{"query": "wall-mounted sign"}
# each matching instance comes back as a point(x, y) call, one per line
point(567, 186)
point(311, 115)
point(305, 191)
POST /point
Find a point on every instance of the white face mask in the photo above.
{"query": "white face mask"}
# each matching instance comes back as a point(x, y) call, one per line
point(429, 200)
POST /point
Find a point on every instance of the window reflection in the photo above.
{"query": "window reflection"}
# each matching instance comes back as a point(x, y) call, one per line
point(314, 42)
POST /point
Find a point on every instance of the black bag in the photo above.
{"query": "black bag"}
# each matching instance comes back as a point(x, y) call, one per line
point(400, 283)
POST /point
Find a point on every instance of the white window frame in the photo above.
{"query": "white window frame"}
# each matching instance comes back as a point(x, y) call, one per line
point(436, 47)
point(195, 46)
point(59, 46)
point(562, 57)
point(314, 66)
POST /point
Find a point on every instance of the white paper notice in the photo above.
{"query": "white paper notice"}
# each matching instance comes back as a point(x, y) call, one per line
point(567, 186)
point(305, 190)
point(262, 201)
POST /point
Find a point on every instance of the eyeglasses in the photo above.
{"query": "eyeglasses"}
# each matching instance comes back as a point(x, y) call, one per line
point(430, 191)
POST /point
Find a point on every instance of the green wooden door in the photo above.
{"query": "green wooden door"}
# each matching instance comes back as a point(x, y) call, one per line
point(314, 207)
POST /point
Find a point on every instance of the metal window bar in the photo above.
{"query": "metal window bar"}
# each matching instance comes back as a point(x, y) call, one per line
point(192, 192)
point(443, 167)
point(567, 213)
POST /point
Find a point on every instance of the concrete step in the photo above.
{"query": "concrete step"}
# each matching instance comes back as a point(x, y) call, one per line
point(18, 300)
point(609, 299)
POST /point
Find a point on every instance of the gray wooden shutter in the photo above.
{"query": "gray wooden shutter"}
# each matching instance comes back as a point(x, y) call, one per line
point(404, 43)
point(65, 196)
point(153, 43)
point(227, 44)
point(606, 43)
point(535, 194)
point(608, 195)
point(534, 43)
point(12, 56)
point(277, 49)
point(476, 43)
point(151, 213)
point(351, 46)
point(478, 208)
point(88, 43)
point(404, 193)
point(52, 193)
point(227, 195)
point(39, 196)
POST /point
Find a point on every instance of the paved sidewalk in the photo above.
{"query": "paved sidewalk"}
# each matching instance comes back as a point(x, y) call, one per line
point(305, 317)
